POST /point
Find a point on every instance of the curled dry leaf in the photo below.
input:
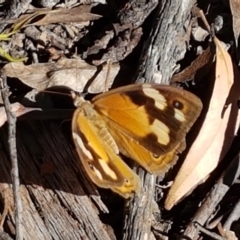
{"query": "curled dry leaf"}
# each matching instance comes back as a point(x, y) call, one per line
point(75, 74)
point(17, 109)
point(216, 134)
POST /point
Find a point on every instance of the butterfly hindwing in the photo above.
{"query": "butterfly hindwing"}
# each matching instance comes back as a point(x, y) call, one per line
point(102, 164)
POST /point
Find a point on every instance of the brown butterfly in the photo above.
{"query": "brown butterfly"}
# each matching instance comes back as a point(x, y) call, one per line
point(145, 122)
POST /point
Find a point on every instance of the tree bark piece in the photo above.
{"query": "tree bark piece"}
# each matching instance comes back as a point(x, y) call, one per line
point(56, 205)
point(167, 42)
point(165, 47)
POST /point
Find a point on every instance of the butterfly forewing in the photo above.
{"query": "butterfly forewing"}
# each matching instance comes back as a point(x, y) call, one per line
point(149, 122)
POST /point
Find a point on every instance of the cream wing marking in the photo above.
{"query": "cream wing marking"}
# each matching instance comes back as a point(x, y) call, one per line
point(81, 145)
point(159, 99)
point(107, 169)
point(179, 115)
point(97, 172)
point(162, 138)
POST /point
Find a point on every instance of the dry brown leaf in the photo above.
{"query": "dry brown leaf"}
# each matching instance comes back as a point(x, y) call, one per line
point(75, 74)
point(216, 134)
point(78, 14)
point(17, 109)
point(235, 9)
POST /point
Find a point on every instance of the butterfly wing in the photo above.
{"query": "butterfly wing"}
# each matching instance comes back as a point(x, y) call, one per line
point(102, 164)
point(149, 122)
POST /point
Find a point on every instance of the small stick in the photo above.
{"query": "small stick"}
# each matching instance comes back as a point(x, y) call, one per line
point(13, 155)
point(208, 233)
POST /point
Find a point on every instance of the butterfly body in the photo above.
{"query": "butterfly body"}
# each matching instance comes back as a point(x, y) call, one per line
point(145, 122)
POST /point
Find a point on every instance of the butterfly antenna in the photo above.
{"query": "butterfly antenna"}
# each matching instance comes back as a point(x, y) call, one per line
point(52, 92)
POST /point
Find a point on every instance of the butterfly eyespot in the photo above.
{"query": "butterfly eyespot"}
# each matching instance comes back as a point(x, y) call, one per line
point(178, 104)
point(155, 155)
point(126, 180)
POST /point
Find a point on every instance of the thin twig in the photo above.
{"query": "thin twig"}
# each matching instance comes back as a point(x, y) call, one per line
point(13, 155)
point(208, 233)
